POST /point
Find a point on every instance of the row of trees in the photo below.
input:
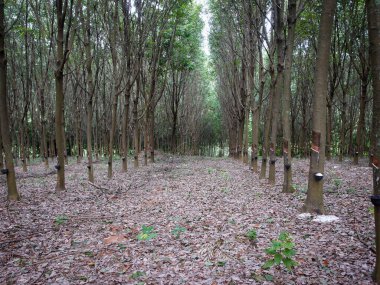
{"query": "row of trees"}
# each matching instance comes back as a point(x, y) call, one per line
point(264, 53)
point(103, 78)
point(274, 63)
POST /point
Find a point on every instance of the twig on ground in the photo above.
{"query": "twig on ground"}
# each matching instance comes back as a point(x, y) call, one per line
point(98, 187)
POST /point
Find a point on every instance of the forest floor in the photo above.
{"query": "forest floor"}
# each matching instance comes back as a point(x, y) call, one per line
point(200, 210)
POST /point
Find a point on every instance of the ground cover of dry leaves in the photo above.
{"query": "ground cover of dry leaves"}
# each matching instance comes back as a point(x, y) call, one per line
point(200, 210)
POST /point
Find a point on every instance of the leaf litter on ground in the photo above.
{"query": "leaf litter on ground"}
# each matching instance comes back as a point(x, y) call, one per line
point(192, 215)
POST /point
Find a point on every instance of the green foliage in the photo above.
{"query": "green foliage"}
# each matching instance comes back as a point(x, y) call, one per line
point(232, 221)
point(251, 235)
point(337, 182)
point(60, 220)
point(225, 175)
point(211, 170)
point(176, 232)
point(146, 233)
point(225, 190)
point(121, 246)
point(137, 274)
point(351, 190)
point(270, 221)
point(89, 253)
point(268, 277)
point(281, 251)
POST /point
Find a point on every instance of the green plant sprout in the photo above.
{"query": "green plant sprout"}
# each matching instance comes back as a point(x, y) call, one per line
point(137, 274)
point(121, 246)
point(176, 232)
point(337, 182)
point(210, 170)
point(146, 233)
point(61, 219)
point(251, 235)
point(281, 251)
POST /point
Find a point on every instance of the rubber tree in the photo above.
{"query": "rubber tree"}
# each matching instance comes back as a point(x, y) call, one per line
point(286, 98)
point(279, 85)
point(90, 84)
point(314, 199)
point(4, 118)
point(114, 28)
point(373, 15)
point(63, 49)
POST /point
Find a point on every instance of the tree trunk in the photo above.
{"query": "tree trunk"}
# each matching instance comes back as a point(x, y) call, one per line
point(342, 133)
point(124, 132)
point(267, 126)
point(77, 130)
point(4, 119)
point(373, 14)
point(23, 148)
point(115, 91)
point(90, 88)
point(146, 136)
point(256, 110)
point(151, 133)
point(314, 199)
point(279, 88)
point(1, 151)
point(44, 146)
point(136, 129)
point(361, 123)
point(59, 98)
point(329, 127)
point(286, 115)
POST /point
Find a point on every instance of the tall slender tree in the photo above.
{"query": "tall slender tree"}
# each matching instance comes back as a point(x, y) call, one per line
point(64, 13)
point(90, 84)
point(4, 118)
point(278, 6)
point(116, 82)
point(314, 199)
point(286, 98)
point(373, 15)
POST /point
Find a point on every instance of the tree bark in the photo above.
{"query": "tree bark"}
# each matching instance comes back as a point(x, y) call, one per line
point(115, 91)
point(1, 151)
point(361, 123)
point(256, 110)
point(279, 87)
point(4, 118)
point(59, 96)
point(314, 199)
point(286, 111)
point(267, 126)
point(373, 14)
point(90, 87)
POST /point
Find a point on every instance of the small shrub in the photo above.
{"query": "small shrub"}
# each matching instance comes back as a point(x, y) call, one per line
point(351, 190)
point(60, 220)
point(137, 274)
point(251, 235)
point(121, 246)
point(176, 232)
point(210, 170)
point(281, 251)
point(89, 253)
point(146, 233)
point(337, 182)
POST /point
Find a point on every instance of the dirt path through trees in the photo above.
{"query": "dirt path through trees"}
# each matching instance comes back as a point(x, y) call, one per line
point(200, 210)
